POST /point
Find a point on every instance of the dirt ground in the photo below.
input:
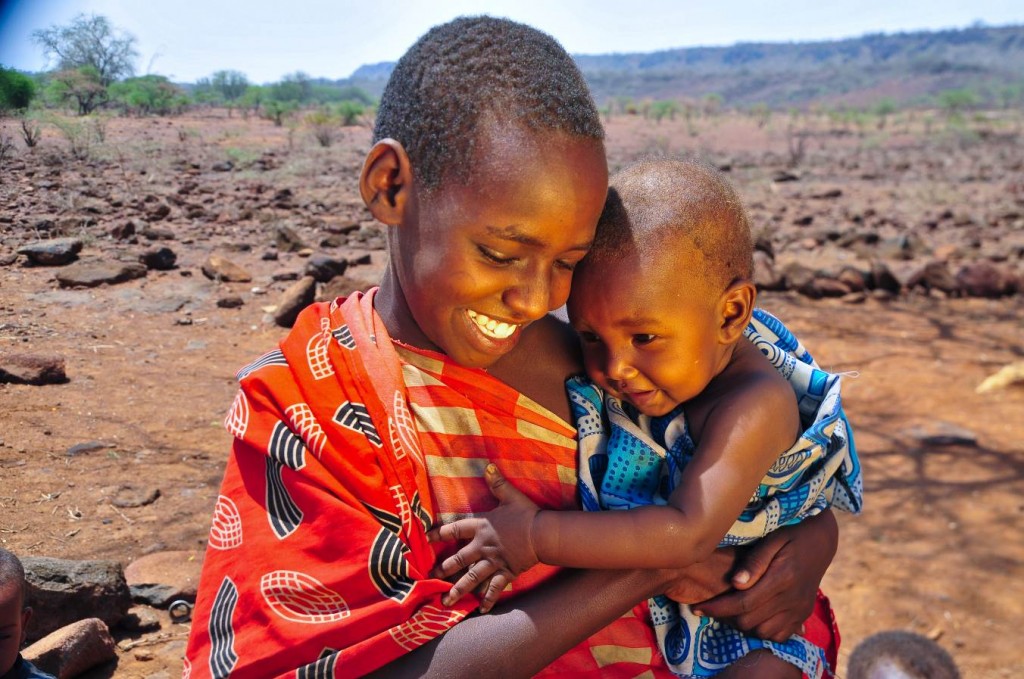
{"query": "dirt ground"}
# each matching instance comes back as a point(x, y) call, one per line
point(938, 549)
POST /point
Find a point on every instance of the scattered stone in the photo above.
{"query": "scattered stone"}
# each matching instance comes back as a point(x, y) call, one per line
point(219, 268)
point(804, 220)
point(62, 592)
point(140, 620)
point(8, 258)
point(899, 654)
point(123, 231)
point(127, 496)
point(54, 252)
point(287, 240)
point(827, 194)
point(765, 275)
point(782, 176)
point(296, 298)
point(156, 233)
point(231, 302)
point(34, 369)
point(158, 212)
point(92, 273)
point(985, 279)
point(159, 259)
point(160, 578)
point(934, 275)
point(269, 256)
point(939, 433)
point(72, 650)
point(223, 166)
point(285, 276)
point(342, 287)
point(87, 447)
point(361, 260)
point(883, 279)
point(323, 268)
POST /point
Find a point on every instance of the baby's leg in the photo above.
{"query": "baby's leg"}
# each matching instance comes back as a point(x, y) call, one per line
point(760, 664)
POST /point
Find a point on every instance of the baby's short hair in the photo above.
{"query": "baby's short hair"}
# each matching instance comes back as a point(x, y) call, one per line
point(653, 201)
point(11, 571)
point(473, 70)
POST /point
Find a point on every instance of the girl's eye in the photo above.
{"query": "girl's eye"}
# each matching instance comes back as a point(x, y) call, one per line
point(643, 338)
point(567, 266)
point(588, 337)
point(494, 257)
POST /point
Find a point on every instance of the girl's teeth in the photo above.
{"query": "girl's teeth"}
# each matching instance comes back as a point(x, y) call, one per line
point(492, 328)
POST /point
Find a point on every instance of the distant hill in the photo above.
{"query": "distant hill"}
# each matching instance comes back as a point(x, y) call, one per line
point(909, 68)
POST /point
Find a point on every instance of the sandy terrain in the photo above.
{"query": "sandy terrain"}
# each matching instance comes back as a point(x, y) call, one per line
point(150, 362)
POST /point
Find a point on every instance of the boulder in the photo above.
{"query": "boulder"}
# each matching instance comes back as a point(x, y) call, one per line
point(62, 592)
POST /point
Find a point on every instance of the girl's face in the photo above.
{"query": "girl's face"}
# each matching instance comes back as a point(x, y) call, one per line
point(480, 261)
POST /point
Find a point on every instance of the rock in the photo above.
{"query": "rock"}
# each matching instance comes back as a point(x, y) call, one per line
point(782, 176)
point(852, 278)
point(155, 233)
point(35, 369)
point(798, 276)
point(63, 592)
point(92, 273)
point(140, 620)
point(883, 279)
point(158, 212)
point(159, 259)
point(804, 220)
point(361, 260)
point(296, 298)
point(287, 240)
point(985, 279)
point(934, 276)
point(123, 231)
point(54, 252)
point(827, 194)
point(8, 258)
point(223, 166)
point(342, 287)
point(823, 286)
point(72, 650)
point(904, 246)
point(939, 433)
point(219, 268)
point(87, 447)
point(231, 302)
point(160, 578)
point(323, 268)
point(765, 275)
point(129, 496)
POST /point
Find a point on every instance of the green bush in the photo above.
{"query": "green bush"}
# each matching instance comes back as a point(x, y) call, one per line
point(16, 90)
point(147, 95)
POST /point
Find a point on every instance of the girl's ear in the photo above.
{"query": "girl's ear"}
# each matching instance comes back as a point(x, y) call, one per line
point(386, 181)
point(737, 306)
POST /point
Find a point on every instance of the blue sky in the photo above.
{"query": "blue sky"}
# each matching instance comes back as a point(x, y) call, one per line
point(265, 39)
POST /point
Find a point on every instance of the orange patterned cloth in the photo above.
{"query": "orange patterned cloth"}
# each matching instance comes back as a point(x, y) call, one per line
point(346, 453)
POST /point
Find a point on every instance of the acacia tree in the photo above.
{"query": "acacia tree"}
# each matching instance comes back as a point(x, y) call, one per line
point(90, 41)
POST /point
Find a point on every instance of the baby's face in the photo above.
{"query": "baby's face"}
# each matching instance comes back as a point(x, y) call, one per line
point(13, 618)
point(648, 329)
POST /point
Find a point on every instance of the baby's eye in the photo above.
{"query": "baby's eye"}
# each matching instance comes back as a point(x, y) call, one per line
point(589, 337)
point(643, 338)
point(494, 257)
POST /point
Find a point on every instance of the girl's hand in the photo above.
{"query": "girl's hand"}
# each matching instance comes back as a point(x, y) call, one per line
point(499, 545)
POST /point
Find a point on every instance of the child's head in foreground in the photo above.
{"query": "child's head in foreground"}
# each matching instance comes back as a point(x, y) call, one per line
point(666, 290)
point(14, 614)
point(489, 162)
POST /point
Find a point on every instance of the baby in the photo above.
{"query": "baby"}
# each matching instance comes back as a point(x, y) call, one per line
point(698, 409)
point(14, 617)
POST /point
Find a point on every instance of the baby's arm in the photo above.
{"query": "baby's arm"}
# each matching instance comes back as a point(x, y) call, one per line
point(741, 433)
point(742, 423)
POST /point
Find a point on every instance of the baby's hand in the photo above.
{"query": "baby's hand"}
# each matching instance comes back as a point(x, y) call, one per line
point(499, 546)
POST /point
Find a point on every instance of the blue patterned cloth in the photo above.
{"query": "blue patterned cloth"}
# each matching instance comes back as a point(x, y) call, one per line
point(628, 460)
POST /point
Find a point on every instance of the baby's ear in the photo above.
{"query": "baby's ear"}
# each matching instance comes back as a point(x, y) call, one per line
point(26, 615)
point(737, 306)
point(386, 181)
